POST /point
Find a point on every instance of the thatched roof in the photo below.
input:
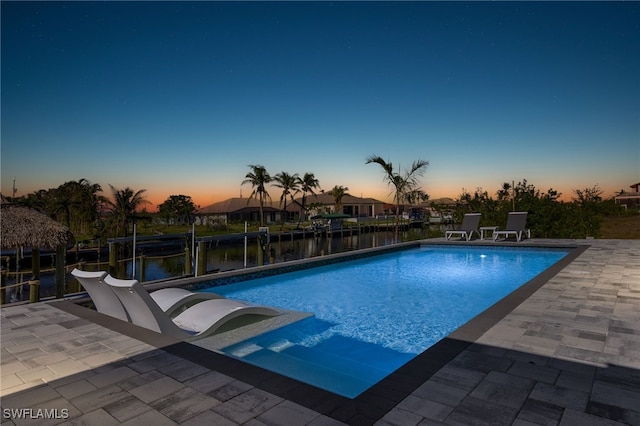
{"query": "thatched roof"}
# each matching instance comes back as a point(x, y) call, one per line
point(25, 227)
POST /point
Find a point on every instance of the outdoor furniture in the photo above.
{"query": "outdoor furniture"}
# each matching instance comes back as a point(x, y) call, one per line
point(170, 300)
point(516, 226)
point(197, 321)
point(469, 225)
point(486, 229)
point(104, 299)
point(175, 300)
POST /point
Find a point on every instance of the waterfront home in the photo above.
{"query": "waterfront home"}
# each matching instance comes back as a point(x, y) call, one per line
point(629, 198)
point(248, 209)
point(349, 205)
point(239, 209)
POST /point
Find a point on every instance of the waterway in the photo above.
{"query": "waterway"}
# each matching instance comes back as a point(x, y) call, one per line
point(220, 257)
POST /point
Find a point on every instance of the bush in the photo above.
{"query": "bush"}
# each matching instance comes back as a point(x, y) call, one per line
point(548, 217)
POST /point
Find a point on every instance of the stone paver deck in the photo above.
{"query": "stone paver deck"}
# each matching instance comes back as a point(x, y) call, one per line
point(566, 353)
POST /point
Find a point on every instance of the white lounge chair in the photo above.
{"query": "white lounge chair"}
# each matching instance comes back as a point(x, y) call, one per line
point(170, 300)
point(469, 225)
point(175, 300)
point(101, 294)
point(199, 320)
point(516, 226)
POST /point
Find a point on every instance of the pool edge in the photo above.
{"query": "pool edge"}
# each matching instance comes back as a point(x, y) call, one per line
point(377, 401)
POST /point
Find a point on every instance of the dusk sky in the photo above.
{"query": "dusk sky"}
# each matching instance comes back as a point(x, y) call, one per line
point(180, 97)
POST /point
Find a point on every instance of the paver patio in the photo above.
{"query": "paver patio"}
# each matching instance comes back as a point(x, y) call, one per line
point(568, 354)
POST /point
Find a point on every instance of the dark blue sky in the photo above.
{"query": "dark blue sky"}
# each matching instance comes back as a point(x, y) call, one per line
point(179, 97)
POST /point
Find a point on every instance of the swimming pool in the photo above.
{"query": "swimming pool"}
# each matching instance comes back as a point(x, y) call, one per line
point(373, 315)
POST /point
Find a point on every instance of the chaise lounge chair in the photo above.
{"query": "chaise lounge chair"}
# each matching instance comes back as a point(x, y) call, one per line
point(170, 300)
point(516, 226)
point(197, 321)
point(101, 294)
point(469, 225)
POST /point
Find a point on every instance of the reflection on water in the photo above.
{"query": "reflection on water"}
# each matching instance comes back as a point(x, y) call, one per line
point(286, 249)
point(222, 258)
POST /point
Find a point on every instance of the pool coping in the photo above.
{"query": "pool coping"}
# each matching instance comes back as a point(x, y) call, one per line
point(378, 400)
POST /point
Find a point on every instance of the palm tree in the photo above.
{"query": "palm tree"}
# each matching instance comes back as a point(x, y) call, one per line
point(403, 185)
point(505, 192)
point(258, 177)
point(289, 185)
point(76, 203)
point(337, 192)
point(308, 183)
point(39, 200)
point(416, 196)
point(90, 203)
point(64, 200)
point(124, 206)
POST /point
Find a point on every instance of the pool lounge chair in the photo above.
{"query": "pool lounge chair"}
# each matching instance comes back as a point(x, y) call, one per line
point(516, 226)
point(101, 294)
point(175, 300)
point(197, 321)
point(469, 225)
point(170, 300)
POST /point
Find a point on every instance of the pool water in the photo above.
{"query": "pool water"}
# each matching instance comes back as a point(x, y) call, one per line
point(373, 315)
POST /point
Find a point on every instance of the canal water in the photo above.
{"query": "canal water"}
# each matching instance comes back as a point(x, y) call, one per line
point(225, 257)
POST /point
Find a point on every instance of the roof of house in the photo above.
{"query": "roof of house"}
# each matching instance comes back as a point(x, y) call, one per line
point(237, 204)
point(327, 198)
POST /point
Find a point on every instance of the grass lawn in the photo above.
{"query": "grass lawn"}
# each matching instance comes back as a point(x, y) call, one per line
point(621, 227)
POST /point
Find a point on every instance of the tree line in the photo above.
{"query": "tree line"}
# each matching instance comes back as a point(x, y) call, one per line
point(85, 211)
point(548, 217)
point(405, 186)
point(81, 206)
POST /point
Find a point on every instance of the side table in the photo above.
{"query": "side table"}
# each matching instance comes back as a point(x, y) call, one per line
point(487, 228)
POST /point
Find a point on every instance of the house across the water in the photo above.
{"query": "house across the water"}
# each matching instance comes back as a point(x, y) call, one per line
point(248, 209)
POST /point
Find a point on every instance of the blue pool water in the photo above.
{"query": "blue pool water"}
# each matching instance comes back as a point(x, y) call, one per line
point(373, 315)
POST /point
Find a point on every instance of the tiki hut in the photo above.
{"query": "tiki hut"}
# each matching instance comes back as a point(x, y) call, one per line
point(26, 227)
